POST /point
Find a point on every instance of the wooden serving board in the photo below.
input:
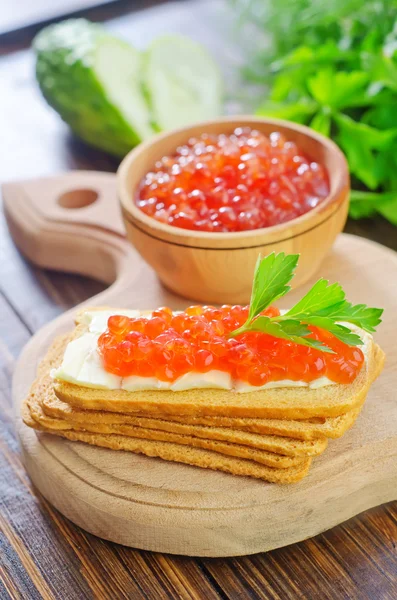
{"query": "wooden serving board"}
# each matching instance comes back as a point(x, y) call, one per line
point(155, 505)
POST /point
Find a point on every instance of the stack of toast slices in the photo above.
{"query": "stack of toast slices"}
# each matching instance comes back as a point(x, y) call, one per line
point(271, 434)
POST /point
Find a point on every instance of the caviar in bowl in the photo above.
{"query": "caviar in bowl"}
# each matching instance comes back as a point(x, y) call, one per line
point(201, 203)
point(232, 182)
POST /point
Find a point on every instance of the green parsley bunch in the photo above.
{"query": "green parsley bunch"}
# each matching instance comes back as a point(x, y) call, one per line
point(333, 66)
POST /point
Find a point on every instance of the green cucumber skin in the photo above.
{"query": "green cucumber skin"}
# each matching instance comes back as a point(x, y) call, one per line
point(64, 71)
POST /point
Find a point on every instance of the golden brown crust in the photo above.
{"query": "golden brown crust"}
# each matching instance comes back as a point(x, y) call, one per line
point(205, 459)
point(259, 455)
point(308, 430)
point(177, 452)
point(222, 440)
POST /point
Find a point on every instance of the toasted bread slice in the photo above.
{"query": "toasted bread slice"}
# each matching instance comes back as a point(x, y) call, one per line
point(233, 448)
point(304, 429)
point(279, 403)
point(313, 429)
point(198, 457)
point(173, 431)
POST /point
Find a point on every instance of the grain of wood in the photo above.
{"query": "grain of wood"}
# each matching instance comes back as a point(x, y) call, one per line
point(168, 577)
point(38, 543)
point(6, 369)
point(7, 584)
point(19, 285)
point(16, 337)
point(25, 558)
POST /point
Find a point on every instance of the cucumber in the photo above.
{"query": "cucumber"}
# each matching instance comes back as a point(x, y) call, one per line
point(182, 82)
point(94, 81)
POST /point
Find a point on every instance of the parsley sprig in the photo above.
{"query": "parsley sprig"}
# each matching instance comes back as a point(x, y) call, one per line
point(323, 306)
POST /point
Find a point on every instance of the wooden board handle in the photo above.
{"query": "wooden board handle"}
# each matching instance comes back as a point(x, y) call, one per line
point(71, 222)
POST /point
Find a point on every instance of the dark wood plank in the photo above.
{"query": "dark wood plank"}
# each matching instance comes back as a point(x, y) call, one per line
point(350, 561)
point(13, 337)
point(168, 576)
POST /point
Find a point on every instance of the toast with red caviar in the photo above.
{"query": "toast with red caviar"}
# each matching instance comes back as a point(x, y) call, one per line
point(318, 359)
point(224, 440)
point(279, 403)
point(318, 427)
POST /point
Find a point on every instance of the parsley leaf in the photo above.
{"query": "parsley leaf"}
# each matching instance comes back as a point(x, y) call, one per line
point(320, 296)
point(338, 89)
point(321, 122)
point(360, 314)
point(366, 204)
point(297, 112)
point(374, 138)
point(344, 334)
point(323, 306)
point(270, 280)
point(389, 211)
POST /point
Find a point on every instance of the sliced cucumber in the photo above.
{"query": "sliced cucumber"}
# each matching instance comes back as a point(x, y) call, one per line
point(111, 95)
point(94, 81)
point(119, 68)
point(182, 81)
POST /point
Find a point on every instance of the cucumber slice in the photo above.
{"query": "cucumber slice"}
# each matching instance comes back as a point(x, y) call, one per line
point(182, 81)
point(94, 81)
point(119, 69)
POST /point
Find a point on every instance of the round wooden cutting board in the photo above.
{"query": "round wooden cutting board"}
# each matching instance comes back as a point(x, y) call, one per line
point(72, 223)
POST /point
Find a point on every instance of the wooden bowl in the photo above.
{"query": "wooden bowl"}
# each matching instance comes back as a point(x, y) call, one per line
point(218, 267)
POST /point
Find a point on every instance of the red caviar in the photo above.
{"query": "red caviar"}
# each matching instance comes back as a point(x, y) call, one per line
point(169, 345)
point(236, 182)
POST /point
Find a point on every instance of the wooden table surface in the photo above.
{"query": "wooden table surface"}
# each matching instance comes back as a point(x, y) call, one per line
point(42, 554)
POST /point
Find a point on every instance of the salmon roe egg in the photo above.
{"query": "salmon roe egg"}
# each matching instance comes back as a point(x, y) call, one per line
point(168, 345)
point(225, 183)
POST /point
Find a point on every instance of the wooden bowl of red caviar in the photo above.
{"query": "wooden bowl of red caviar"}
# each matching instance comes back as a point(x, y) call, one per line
point(200, 203)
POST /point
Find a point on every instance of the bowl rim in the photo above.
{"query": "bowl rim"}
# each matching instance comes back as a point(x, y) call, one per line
point(339, 182)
